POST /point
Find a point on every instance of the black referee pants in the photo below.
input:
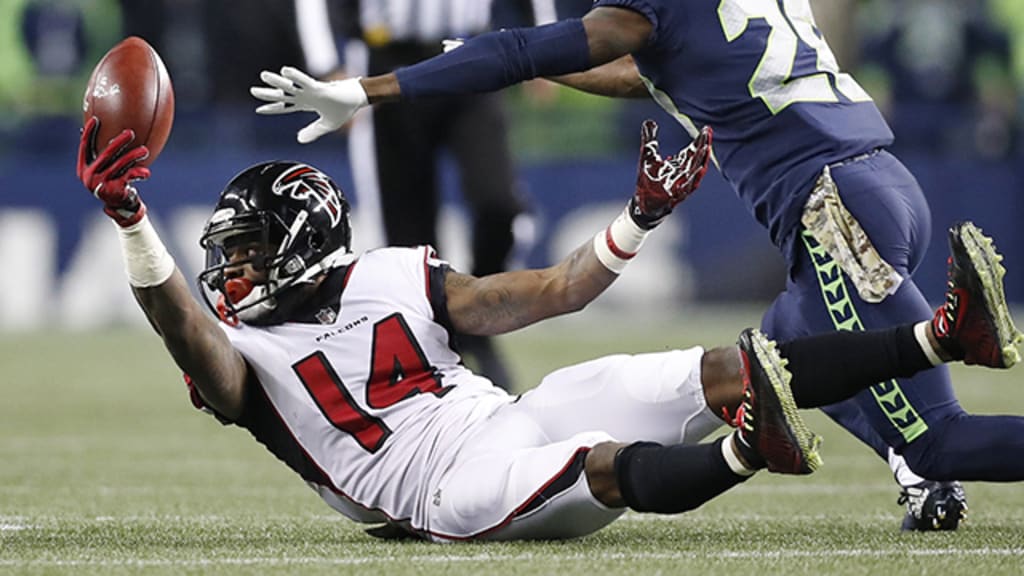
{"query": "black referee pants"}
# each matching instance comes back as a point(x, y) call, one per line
point(410, 137)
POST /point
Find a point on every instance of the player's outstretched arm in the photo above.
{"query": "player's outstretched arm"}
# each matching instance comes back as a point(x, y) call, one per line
point(485, 63)
point(616, 79)
point(504, 302)
point(613, 34)
point(196, 343)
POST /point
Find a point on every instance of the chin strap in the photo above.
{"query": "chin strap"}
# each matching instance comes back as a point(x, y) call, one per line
point(254, 304)
point(225, 314)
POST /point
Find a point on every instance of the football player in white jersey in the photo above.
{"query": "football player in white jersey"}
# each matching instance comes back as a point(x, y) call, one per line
point(346, 366)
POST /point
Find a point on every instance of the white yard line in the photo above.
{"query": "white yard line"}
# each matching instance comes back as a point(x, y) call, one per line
point(546, 557)
point(13, 523)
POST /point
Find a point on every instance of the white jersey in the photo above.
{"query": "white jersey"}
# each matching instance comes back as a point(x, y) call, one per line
point(370, 405)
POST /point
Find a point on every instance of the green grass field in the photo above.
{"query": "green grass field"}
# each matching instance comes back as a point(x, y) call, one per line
point(105, 468)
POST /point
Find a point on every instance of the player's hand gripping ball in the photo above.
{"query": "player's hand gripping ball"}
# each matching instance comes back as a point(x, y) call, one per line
point(130, 90)
point(109, 174)
point(662, 183)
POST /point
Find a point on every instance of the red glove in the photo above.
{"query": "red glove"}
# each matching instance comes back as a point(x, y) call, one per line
point(661, 183)
point(109, 174)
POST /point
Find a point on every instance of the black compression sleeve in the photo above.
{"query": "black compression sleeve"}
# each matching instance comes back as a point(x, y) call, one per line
point(672, 479)
point(834, 366)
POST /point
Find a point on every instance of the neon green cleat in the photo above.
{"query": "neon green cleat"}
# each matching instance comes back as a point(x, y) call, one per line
point(974, 325)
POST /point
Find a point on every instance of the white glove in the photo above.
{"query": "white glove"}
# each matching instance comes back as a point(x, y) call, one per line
point(295, 91)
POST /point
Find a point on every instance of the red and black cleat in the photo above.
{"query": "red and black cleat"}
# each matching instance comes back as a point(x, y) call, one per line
point(768, 420)
point(974, 325)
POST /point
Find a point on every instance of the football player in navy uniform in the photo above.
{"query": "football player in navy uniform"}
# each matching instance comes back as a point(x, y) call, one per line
point(342, 365)
point(804, 147)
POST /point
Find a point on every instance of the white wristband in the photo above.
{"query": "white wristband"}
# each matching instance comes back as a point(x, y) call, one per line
point(146, 260)
point(616, 245)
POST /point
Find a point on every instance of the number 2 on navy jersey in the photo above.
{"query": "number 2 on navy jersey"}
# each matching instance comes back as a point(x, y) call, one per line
point(398, 370)
point(779, 80)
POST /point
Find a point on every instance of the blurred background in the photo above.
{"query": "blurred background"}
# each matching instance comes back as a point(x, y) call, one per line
point(948, 74)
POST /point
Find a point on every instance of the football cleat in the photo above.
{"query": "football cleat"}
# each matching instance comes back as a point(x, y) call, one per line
point(933, 506)
point(768, 420)
point(974, 325)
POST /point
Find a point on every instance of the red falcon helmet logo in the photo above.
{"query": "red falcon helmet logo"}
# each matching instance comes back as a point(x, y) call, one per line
point(303, 182)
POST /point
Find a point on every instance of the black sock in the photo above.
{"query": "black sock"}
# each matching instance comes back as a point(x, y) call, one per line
point(672, 479)
point(834, 366)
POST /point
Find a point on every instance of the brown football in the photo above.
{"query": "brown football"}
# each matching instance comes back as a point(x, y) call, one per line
point(130, 88)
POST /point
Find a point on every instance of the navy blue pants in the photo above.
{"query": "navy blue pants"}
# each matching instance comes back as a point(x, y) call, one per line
point(918, 417)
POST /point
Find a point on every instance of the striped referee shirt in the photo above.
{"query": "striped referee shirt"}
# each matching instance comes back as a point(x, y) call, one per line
point(381, 22)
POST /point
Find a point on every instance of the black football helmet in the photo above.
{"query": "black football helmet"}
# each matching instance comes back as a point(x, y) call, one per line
point(290, 221)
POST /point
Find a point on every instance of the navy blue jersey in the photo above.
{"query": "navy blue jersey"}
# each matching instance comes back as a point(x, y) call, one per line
point(760, 74)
